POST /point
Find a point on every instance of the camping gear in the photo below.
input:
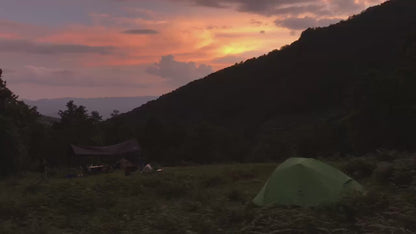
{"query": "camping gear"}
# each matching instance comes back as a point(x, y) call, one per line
point(94, 169)
point(124, 164)
point(305, 182)
point(147, 169)
point(127, 166)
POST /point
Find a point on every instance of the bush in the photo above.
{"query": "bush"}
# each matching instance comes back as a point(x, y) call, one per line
point(403, 172)
point(359, 168)
point(402, 177)
point(236, 195)
point(386, 155)
point(356, 205)
point(383, 172)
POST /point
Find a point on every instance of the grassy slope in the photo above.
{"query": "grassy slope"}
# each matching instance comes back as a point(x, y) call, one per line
point(200, 199)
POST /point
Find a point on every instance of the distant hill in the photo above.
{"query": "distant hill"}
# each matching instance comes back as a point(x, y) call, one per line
point(348, 87)
point(104, 106)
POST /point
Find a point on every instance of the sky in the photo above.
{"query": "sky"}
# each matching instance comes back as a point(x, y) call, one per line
point(122, 48)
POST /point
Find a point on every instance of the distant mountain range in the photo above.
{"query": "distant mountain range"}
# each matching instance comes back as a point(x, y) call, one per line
point(105, 106)
point(349, 87)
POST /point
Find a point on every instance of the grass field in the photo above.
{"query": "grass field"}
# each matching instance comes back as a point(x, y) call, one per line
point(205, 199)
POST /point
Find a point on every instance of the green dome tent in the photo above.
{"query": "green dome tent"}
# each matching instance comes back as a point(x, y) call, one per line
point(305, 182)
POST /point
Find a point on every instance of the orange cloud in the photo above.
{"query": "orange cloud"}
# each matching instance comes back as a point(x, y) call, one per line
point(194, 38)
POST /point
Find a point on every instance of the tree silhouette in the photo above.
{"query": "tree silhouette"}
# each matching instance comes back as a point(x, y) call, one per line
point(17, 123)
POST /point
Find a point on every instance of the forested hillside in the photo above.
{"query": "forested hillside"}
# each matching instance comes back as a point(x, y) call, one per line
point(344, 88)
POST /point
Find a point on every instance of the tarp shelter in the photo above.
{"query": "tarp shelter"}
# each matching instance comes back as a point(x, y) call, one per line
point(305, 182)
point(129, 149)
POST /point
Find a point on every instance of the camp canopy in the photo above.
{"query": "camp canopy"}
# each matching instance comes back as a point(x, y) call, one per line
point(129, 149)
point(305, 182)
point(118, 149)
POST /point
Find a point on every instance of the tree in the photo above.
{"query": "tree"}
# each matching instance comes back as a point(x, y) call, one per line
point(114, 113)
point(17, 121)
point(76, 126)
point(73, 115)
point(95, 117)
point(9, 147)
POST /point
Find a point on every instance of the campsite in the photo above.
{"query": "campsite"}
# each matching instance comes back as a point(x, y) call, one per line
point(208, 199)
point(219, 116)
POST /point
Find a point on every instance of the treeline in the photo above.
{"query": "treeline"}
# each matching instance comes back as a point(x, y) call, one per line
point(27, 138)
point(379, 112)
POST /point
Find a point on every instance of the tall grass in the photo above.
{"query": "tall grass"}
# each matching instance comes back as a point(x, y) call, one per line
point(201, 199)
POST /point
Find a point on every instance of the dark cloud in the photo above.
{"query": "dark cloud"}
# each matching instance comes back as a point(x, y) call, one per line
point(23, 46)
point(262, 7)
point(210, 3)
point(212, 27)
point(256, 22)
point(305, 22)
point(267, 7)
point(286, 7)
point(140, 31)
point(295, 10)
point(229, 35)
point(177, 72)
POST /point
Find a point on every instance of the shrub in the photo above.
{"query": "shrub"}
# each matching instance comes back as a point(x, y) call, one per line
point(386, 155)
point(383, 172)
point(236, 195)
point(403, 172)
point(402, 178)
point(359, 168)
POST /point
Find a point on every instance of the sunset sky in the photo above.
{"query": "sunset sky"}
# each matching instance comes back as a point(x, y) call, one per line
point(113, 48)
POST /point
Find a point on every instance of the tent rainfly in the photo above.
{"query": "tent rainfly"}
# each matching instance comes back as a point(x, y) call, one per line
point(305, 182)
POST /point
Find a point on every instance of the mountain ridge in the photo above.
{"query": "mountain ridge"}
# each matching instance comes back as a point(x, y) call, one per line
point(323, 78)
point(299, 47)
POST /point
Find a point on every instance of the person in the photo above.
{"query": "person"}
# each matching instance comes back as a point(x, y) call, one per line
point(81, 172)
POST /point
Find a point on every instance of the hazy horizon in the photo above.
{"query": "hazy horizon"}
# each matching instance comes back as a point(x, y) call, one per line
point(105, 105)
point(102, 97)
